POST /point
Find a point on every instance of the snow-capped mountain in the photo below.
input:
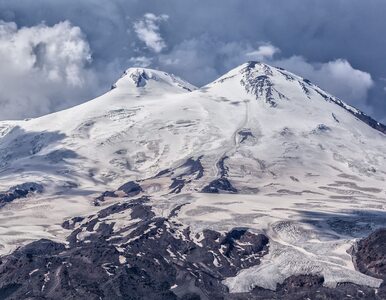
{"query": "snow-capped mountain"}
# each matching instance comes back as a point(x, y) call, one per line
point(264, 176)
point(140, 81)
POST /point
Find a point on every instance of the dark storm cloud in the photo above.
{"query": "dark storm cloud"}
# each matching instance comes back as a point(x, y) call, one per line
point(337, 43)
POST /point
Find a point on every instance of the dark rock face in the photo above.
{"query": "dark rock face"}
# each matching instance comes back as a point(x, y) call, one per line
point(360, 115)
point(260, 86)
point(335, 118)
point(177, 185)
point(131, 188)
point(371, 122)
point(102, 197)
point(370, 254)
point(142, 260)
point(70, 224)
point(245, 134)
point(370, 258)
point(222, 166)
point(221, 184)
point(139, 78)
point(152, 257)
point(311, 287)
point(192, 169)
point(20, 191)
point(195, 167)
point(322, 127)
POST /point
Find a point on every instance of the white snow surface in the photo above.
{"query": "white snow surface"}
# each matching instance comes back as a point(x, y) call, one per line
point(293, 154)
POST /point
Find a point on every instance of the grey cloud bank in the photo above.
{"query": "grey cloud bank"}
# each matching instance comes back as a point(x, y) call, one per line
point(337, 44)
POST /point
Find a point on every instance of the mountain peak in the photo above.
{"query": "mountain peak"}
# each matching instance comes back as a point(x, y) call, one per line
point(140, 76)
point(144, 80)
point(261, 156)
point(278, 87)
point(250, 69)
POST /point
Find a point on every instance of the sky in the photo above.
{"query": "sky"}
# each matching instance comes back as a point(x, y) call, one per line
point(56, 54)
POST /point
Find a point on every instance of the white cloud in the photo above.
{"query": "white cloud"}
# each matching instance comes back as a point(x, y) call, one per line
point(264, 52)
point(337, 77)
point(147, 30)
point(140, 61)
point(42, 68)
point(202, 59)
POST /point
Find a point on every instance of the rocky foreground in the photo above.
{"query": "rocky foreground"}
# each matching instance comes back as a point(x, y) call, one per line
point(157, 258)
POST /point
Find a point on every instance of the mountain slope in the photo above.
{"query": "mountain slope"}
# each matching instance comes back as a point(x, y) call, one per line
point(259, 149)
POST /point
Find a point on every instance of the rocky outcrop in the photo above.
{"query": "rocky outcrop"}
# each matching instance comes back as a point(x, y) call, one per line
point(150, 258)
point(20, 191)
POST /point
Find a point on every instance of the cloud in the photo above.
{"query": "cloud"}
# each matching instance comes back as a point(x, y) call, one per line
point(264, 52)
point(42, 68)
point(337, 76)
point(141, 61)
point(147, 30)
point(201, 40)
point(345, 81)
point(202, 59)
